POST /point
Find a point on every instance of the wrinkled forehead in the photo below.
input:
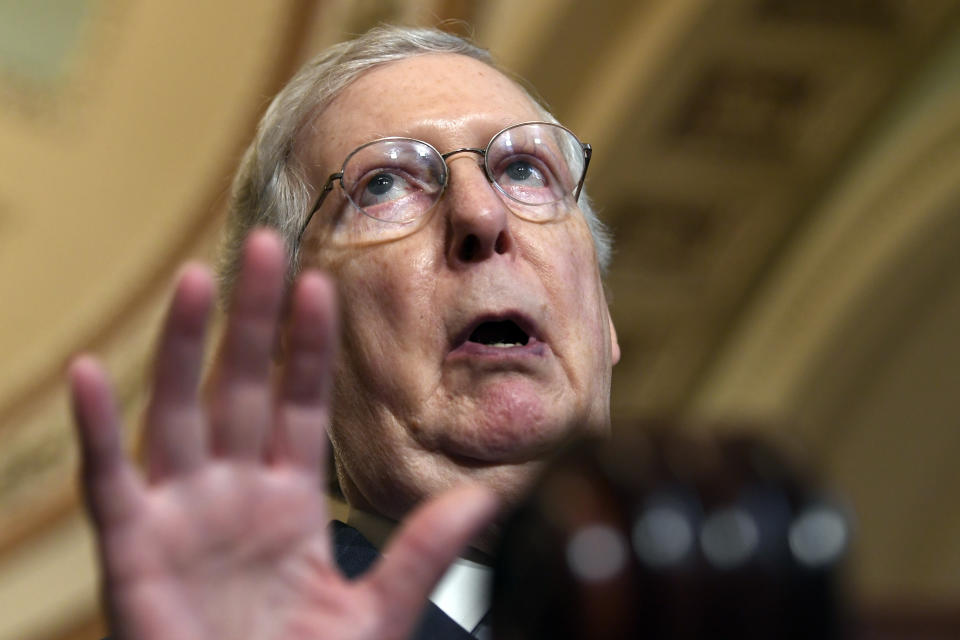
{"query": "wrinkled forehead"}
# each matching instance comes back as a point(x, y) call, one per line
point(447, 100)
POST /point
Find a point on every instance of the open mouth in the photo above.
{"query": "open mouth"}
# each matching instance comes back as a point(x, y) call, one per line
point(502, 334)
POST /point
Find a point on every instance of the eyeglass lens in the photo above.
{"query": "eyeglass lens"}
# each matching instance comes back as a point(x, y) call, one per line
point(398, 180)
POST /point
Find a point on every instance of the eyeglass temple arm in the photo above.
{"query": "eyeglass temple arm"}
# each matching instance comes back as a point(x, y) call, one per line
point(587, 153)
point(316, 205)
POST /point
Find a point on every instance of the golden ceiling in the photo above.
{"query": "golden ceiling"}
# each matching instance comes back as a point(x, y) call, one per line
point(782, 176)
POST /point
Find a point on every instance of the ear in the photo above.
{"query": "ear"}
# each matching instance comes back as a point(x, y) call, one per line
point(614, 345)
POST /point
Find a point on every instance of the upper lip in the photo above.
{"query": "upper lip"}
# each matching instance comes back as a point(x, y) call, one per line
point(524, 322)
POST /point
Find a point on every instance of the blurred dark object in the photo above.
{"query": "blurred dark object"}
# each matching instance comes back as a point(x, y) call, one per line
point(906, 620)
point(656, 534)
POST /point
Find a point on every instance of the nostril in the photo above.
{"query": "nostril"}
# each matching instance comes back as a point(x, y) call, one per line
point(469, 247)
point(501, 245)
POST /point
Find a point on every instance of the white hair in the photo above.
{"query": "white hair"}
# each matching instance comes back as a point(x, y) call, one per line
point(270, 188)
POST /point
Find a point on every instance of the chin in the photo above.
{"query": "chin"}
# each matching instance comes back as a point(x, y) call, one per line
point(512, 472)
point(521, 430)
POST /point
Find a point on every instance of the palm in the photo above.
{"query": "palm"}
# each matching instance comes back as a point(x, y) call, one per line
point(180, 555)
point(226, 537)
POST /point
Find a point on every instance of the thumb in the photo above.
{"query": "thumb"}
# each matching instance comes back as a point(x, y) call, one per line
point(424, 548)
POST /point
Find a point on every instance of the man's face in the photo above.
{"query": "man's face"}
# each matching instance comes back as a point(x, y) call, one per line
point(419, 406)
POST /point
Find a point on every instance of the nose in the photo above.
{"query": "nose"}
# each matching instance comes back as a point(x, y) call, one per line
point(478, 221)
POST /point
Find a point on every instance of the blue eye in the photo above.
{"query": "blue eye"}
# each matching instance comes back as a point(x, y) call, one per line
point(524, 173)
point(383, 186)
point(380, 184)
point(386, 188)
point(520, 171)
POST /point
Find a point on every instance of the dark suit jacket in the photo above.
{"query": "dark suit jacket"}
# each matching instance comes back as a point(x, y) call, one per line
point(354, 554)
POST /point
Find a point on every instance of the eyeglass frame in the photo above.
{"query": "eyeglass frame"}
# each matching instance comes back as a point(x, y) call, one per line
point(585, 147)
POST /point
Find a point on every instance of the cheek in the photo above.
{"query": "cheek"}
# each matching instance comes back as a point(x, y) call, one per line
point(569, 265)
point(385, 297)
point(379, 289)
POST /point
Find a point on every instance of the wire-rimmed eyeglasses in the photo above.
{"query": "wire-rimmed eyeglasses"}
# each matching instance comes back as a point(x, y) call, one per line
point(395, 182)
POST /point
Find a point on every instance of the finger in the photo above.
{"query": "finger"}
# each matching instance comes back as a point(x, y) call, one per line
point(112, 486)
point(176, 441)
point(424, 548)
point(241, 408)
point(304, 393)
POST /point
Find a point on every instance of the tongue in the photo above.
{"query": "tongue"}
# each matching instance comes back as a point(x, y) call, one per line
point(505, 333)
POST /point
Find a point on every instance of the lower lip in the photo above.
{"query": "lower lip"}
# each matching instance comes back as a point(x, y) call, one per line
point(533, 349)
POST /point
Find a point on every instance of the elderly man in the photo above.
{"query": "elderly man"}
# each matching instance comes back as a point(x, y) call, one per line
point(445, 206)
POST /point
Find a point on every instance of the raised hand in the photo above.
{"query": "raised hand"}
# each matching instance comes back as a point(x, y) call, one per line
point(225, 535)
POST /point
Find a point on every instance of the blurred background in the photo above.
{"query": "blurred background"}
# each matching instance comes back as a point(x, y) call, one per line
point(782, 176)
